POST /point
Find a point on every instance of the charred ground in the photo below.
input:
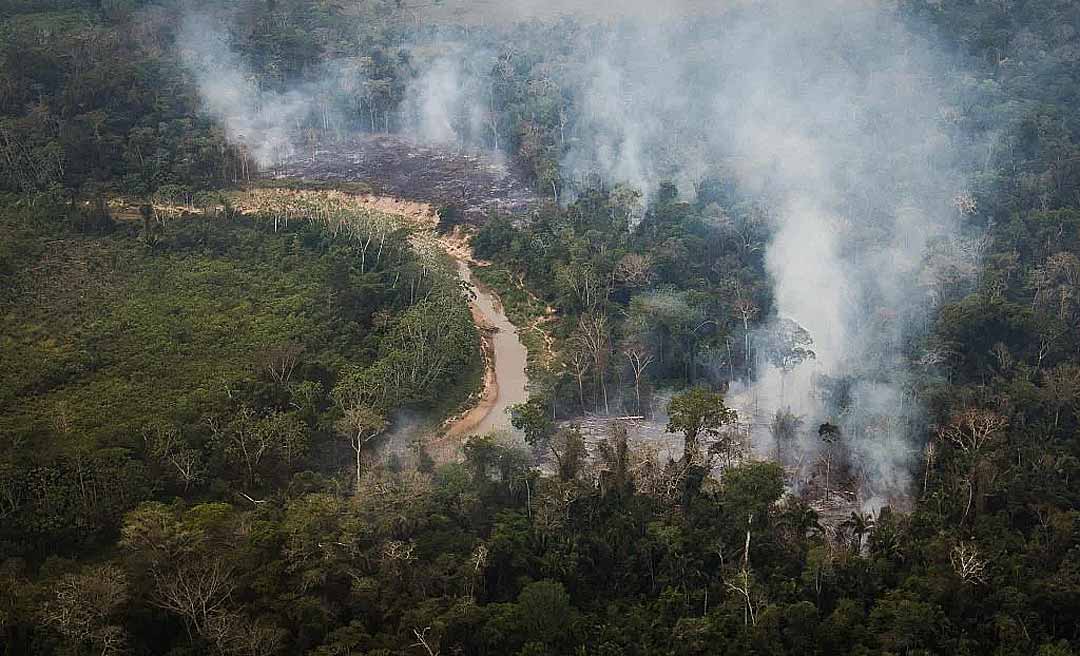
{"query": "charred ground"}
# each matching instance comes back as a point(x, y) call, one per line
point(475, 182)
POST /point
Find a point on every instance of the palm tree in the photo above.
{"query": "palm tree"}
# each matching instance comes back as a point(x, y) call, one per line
point(859, 524)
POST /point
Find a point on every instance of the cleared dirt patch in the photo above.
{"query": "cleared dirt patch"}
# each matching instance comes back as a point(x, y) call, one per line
point(478, 182)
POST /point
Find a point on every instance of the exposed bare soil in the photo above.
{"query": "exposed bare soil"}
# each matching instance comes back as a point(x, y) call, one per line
point(479, 182)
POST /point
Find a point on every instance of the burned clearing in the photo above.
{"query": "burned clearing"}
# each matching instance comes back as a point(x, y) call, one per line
point(476, 182)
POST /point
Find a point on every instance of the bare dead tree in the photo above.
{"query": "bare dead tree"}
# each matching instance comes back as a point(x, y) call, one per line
point(1057, 284)
point(279, 361)
point(579, 361)
point(967, 562)
point(195, 589)
point(1048, 336)
point(1004, 358)
point(477, 562)
point(593, 334)
point(746, 310)
point(187, 464)
point(729, 445)
point(81, 607)
point(422, 641)
point(654, 478)
point(613, 460)
point(965, 203)
point(1062, 386)
point(591, 289)
point(741, 584)
point(748, 234)
point(930, 452)
point(640, 357)
point(165, 444)
point(361, 424)
point(973, 432)
point(246, 438)
point(785, 428)
point(234, 634)
point(634, 269)
point(974, 429)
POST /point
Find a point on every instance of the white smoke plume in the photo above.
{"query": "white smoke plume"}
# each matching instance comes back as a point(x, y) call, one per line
point(266, 122)
point(836, 114)
point(446, 104)
point(438, 97)
point(839, 117)
point(637, 115)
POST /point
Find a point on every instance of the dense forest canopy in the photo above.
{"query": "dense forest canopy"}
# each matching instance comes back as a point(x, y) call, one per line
point(832, 248)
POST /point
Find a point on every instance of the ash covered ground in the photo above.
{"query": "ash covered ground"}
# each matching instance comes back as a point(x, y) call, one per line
point(476, 181)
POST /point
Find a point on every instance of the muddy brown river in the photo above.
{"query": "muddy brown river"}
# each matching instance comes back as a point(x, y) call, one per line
point(506, 382)
point(479, 183)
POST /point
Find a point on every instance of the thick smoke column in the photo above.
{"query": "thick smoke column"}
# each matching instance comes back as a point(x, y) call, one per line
point(266, 122)
point(436, 98)
point(836, 115)
point(835, 111)
point(445, 104)
point(639, 111)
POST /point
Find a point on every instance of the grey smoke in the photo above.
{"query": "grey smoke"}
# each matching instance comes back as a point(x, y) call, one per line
point(437, 99)
point(836, 115)
point(637, 112)
point(446, 103)
point(268, 123)
point(833, 113)
point(843, 120)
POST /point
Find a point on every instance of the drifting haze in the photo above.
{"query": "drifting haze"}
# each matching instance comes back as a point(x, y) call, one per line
point(837, 116)
point(268, 123)
point(263, 123)
point(445, 104)
point(834, 113)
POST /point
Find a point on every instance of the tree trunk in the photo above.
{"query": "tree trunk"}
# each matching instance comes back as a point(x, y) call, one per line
point(603, 386)
point(359, 446)
point(828, 469)
point(689, 447)
point(747, 356)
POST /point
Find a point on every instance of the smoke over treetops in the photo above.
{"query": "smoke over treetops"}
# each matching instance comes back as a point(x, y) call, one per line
point(836, 114)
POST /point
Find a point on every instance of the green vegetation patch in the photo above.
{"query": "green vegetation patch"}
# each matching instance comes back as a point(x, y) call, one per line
point(109, 335)
point(208, 355)
point(522, 309)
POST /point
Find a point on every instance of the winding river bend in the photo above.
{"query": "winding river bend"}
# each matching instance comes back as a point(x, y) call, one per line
point(413, 179)
point(505, 380)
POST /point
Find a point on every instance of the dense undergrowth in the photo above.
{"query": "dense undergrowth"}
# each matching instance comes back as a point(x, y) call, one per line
point(196, 358)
